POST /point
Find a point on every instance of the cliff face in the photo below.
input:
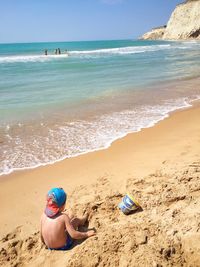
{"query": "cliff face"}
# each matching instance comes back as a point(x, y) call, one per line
point(156, 33)
point(184, 23)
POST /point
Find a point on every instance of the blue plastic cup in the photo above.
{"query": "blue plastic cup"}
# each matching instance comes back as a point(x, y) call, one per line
point(128, 204)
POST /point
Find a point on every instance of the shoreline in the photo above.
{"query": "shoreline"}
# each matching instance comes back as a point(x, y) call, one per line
point(16, 172)
point(187, 104)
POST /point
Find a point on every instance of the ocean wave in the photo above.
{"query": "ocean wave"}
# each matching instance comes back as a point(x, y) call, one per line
point(80, 53)
point(30, 58)
point(80, 137)
point(122, 50)
point(99, 52)
point(188, 45)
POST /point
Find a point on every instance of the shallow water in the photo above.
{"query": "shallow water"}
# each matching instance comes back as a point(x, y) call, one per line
point(58, 106)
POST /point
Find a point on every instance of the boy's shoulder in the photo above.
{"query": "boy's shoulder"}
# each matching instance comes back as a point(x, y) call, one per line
point(61, 216)
point(64, 216)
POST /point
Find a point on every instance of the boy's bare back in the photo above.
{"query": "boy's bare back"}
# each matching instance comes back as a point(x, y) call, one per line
point(53, 230)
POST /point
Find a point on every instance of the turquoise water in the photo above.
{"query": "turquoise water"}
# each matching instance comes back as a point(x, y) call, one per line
point(58, 106)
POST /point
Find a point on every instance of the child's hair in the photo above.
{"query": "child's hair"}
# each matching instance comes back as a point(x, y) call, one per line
point(56, 198)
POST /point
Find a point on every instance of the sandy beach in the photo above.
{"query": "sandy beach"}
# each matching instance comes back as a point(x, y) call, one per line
point(159, 165)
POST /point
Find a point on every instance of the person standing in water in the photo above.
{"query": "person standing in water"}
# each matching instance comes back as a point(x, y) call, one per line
point(59, 52)
point(45, 52)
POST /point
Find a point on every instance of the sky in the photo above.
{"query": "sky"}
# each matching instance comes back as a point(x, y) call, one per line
point(78, 20)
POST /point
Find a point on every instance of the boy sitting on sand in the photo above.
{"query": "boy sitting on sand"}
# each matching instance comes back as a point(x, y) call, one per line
point(57, 228)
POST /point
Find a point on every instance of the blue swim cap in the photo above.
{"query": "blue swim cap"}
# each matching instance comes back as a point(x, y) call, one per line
point(57, 195)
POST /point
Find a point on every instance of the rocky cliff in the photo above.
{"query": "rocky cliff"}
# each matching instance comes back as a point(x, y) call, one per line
point(183, 24)
point(154, 34)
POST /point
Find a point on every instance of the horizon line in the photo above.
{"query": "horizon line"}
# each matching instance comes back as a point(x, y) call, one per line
point(72, 41)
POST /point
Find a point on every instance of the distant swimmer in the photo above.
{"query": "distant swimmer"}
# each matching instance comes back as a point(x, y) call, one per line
point(45, 52)
point(56, 51)
point(59, 52)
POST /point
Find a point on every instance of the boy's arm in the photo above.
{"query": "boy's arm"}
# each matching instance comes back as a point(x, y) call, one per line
point(72, 232)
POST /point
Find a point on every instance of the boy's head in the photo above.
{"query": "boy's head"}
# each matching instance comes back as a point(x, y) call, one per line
point(56, 199)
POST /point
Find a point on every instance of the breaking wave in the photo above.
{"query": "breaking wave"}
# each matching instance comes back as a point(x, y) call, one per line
point(86, 53)
point(98, 52)
point(80, 137)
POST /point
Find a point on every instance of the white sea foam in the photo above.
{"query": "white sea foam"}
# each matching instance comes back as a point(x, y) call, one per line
point(123, 50)
point(107, 51)
point(98, 52)
point(79, 137)
point(30, 58)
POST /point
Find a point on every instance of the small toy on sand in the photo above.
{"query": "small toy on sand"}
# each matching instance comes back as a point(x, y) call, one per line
point(128, 204)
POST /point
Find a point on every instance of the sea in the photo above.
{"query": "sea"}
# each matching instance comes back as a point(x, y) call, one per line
point(57, 106)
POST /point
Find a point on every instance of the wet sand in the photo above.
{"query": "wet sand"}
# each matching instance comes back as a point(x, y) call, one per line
point(161, 165)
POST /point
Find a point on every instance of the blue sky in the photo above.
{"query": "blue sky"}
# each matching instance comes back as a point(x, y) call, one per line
point(73, 20)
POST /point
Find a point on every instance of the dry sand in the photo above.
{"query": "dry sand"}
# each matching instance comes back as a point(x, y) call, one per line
point(160, 165)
